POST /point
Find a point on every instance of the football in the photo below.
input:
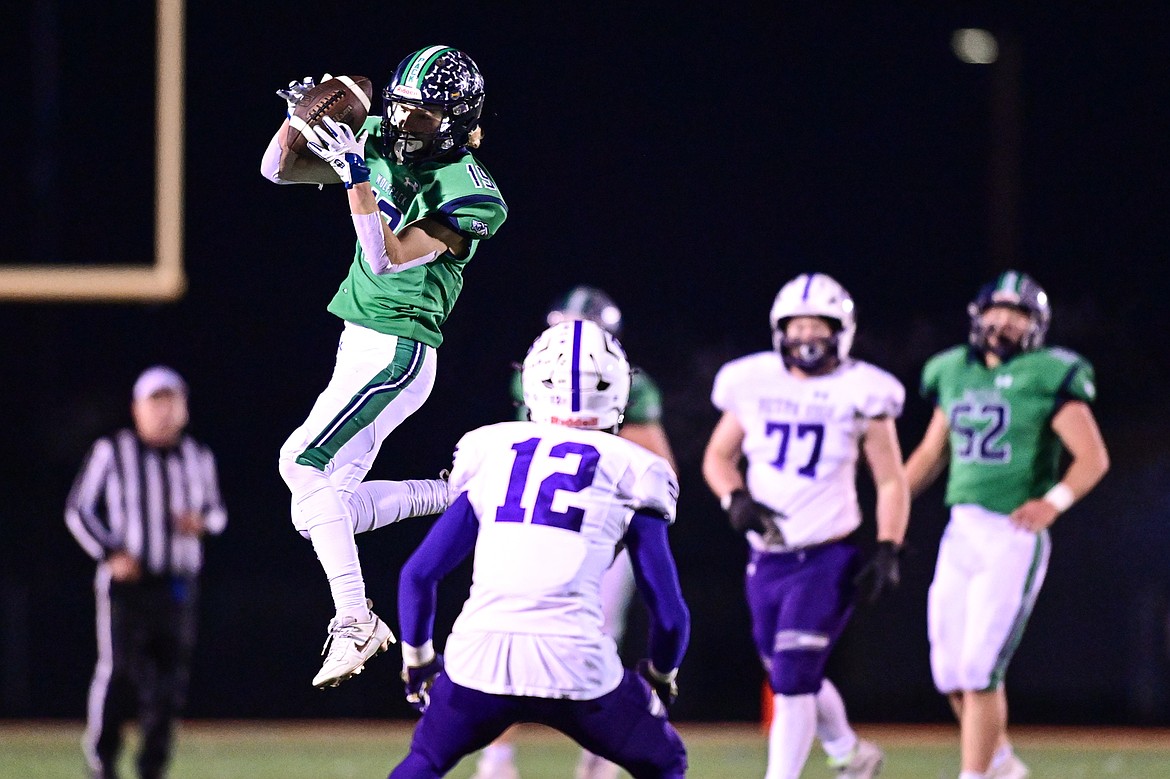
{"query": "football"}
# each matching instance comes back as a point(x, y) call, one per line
point(345, 99)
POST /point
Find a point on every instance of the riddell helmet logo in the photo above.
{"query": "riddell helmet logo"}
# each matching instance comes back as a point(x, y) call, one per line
point(407, 92)
point(574, 422)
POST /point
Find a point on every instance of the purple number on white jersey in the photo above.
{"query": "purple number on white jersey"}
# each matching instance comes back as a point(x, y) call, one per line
point(542, 510)
point(803, 429)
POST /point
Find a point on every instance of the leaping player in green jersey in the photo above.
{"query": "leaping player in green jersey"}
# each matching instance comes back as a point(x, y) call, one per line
point(1005, 406)
point(420, 203)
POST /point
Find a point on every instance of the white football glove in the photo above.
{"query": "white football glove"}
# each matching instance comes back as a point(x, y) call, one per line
point(344, 153)
point(295, 92)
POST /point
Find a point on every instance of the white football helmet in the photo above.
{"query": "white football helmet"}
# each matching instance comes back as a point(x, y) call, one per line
point(813, 294)
point(576, 374)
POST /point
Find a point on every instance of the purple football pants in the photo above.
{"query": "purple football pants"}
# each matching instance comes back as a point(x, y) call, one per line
point(618, 726)
point(800, 602)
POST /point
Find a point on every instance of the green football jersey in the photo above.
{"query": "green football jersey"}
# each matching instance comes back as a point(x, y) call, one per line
point(644, 407)
point(1003, 449)
point(458, 193)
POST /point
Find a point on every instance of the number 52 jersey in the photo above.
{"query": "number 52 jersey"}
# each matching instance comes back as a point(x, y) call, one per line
point(553, 505)
point(801, 438)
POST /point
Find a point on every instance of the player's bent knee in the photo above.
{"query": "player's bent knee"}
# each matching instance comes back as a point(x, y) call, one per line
point(797, 672)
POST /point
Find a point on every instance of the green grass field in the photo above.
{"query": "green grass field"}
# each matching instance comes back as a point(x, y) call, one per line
point(345, 749)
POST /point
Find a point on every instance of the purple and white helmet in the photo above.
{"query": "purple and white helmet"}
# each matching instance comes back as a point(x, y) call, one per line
point(576, 374)
point(814, 294)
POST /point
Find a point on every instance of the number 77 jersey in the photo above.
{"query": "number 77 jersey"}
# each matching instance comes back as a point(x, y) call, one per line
point(802, 437)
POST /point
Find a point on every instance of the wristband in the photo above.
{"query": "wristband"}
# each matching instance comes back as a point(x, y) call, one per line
point(414, 657)
point(1061, 496)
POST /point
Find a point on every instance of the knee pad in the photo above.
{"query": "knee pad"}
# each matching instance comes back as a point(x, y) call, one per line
point(797, 667)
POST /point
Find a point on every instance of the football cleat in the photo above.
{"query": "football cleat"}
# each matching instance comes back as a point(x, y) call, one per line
point(592, 766)
point(495, 769)
point(348, 646)
point(1012, 768)
point(865, 762)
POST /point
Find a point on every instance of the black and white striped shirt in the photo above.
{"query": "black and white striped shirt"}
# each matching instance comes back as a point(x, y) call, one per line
point(128, 495)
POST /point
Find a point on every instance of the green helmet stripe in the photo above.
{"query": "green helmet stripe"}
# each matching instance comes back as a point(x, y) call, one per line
point(421, 63)
point(1010, 281)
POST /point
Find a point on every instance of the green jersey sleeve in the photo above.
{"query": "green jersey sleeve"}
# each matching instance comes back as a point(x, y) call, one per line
point(464, 196)
point(1078, 382)
point(645, 406)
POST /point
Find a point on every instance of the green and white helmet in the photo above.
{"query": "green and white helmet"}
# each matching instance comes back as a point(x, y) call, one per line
point(1019, 291)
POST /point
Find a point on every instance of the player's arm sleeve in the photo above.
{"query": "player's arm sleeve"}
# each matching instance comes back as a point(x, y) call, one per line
point(448, 543)
point(657, 579)
point(214, 512)
point(86, 512)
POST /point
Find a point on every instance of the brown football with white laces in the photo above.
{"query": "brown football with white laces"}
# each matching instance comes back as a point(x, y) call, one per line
point(345, 99)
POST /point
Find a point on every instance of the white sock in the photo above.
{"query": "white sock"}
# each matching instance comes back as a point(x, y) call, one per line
point(333, 542)
point(794, 724)
point(837, 738)
point(972, 775)
point(376, 504)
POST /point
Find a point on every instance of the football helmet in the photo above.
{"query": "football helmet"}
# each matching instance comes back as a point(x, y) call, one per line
point(445, 86)
point(576, 374)
point(819, 295)
point(1017, 290)
point(590, 303)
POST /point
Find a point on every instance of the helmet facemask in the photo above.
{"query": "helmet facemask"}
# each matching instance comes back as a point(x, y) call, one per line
point(814, 355)
point(1016, 291)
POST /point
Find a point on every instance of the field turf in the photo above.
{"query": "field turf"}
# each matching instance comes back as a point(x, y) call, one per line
point(341, 749)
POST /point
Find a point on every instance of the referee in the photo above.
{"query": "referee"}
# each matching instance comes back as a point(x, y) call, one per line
point(140, 506)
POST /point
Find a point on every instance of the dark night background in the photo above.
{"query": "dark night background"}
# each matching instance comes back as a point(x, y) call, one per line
point(688, 159)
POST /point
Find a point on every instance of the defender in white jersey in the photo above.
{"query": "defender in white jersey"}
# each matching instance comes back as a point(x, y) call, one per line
point(799, 415)
point(545, 505)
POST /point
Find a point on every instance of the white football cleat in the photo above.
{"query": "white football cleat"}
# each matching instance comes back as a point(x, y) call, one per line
point(349, 645)
point(592, 766)
point(1012, 768)
point(864, 763)
point(495, 769)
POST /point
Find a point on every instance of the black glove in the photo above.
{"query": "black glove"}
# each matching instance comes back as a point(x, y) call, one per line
point(664, 685)
point(418, 680)
point(745, 513)
point(881, 574)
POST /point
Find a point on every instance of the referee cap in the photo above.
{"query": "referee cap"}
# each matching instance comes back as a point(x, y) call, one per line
point(156, 379)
